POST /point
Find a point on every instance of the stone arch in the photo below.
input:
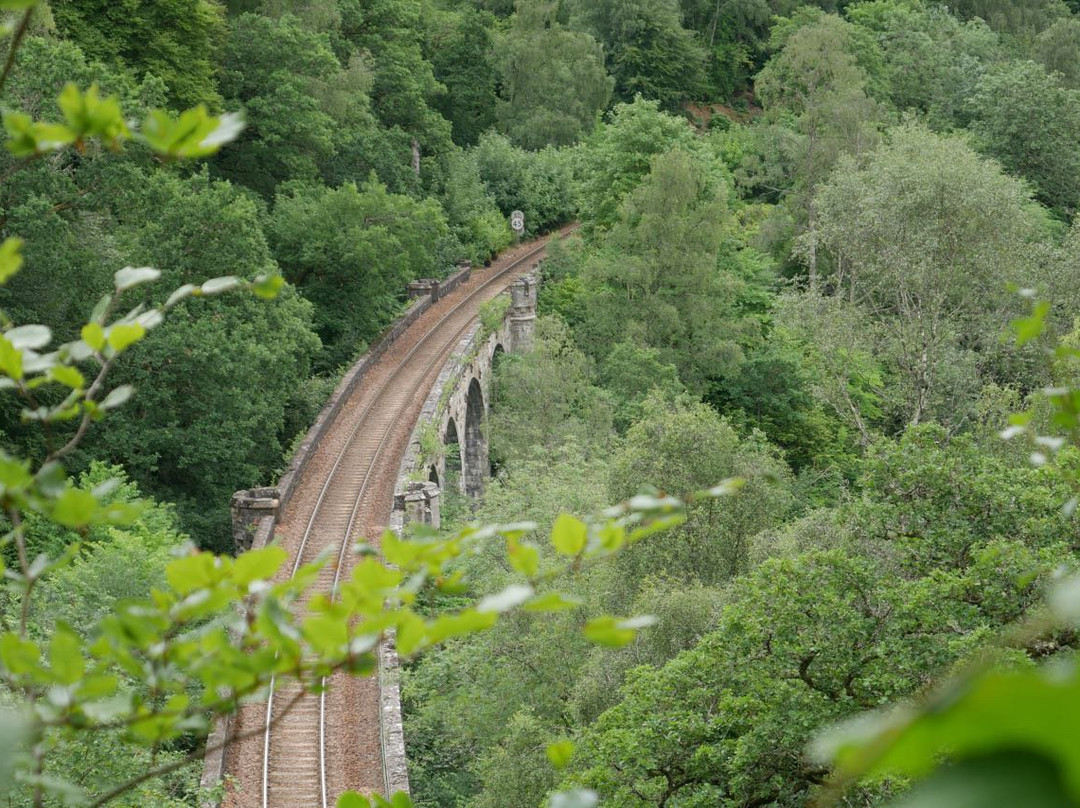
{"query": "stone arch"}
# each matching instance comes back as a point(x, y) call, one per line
point(433, 475)
point(452, 449)
point(476, 451)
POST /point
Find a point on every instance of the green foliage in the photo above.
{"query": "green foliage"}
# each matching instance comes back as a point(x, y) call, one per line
point(653, 281)
point(926, 236)
point(473, 216)
point(620, 155)
point(547, 397)
point(493, 313)
point(554, 85)
point(460, 49)
point(680, 446)
point(538, 184)
point(352, 252)
point(1039, 150)
point(174, 40)
point(649, 53)
point(196, 432)
point(269, 66)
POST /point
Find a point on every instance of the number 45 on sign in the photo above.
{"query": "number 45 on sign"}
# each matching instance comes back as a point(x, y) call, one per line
point(517, 222)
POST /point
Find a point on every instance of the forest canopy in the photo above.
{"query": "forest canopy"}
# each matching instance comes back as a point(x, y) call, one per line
point(829, 248)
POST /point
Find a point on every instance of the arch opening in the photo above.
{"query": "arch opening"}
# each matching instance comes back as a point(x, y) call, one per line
point(476, 452)
point(452, 450)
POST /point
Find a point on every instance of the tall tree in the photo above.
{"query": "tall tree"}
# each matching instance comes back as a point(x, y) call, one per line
point(554, 84)
point(1041, 148)
point(352, 251)
point(460, 46)
point(817, 79)
point(654, 279)
point(926, 236)
point(174, 40)
point(648, 50)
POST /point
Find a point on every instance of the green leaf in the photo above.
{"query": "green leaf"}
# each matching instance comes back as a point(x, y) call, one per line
point(190, 572)
point(615, 633)
point(216, 286)
point(1003, 780)
point(74, 508)
point(89, 115)
point(514, 595)
point(559, 753)
point(117, 397)
point(27, 138)
point(525, 558)
point(11, 360)
point(350, 799)
point(94, 336)
point(256, 565)
point(33, 337)
point(17, 5)
point(65, 655)
point(578, 798)
point(181, 293)
point(11, 259)
point(568, 535)
point(124, 335)
point(1029, 328)
point(552, 602)
point(67, 376)
point(129, 277)
point(195, 133)
point(268, 286)
point(19, 656)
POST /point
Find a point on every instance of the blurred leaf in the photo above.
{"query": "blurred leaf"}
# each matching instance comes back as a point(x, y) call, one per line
point(552, 602)
point(258, 564)
point(1001, 780)
point(74, 508)
point(568, 535)
point(509, 598)
point(613, 632)
point(559, 753)
point(350, 799)
point(94, 336)
point(216, 286)
point(578, 798)
point(129, 277)
point(34, 337)
point(195, 133)
point(11, 259)
point(90, 115)
point(27, 138)
point(268, 286)
point(19, 656)
point(117, 397)
point(11, 360)
point(124, 335)
point(65, 655)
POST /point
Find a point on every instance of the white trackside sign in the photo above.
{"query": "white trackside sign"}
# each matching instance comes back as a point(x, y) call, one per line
point(517, 222)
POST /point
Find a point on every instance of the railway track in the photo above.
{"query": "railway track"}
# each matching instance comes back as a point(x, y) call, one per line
point(329, 743)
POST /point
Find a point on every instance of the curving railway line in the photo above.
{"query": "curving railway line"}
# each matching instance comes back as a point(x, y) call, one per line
point(327, 744)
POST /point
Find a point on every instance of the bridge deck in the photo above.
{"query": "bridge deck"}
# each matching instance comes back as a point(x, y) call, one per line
point(365, 444)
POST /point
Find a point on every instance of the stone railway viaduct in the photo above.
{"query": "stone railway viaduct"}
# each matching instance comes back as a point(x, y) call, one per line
point(448, 445)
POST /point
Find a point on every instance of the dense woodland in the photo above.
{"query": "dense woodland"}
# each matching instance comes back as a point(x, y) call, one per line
point(806, 229)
